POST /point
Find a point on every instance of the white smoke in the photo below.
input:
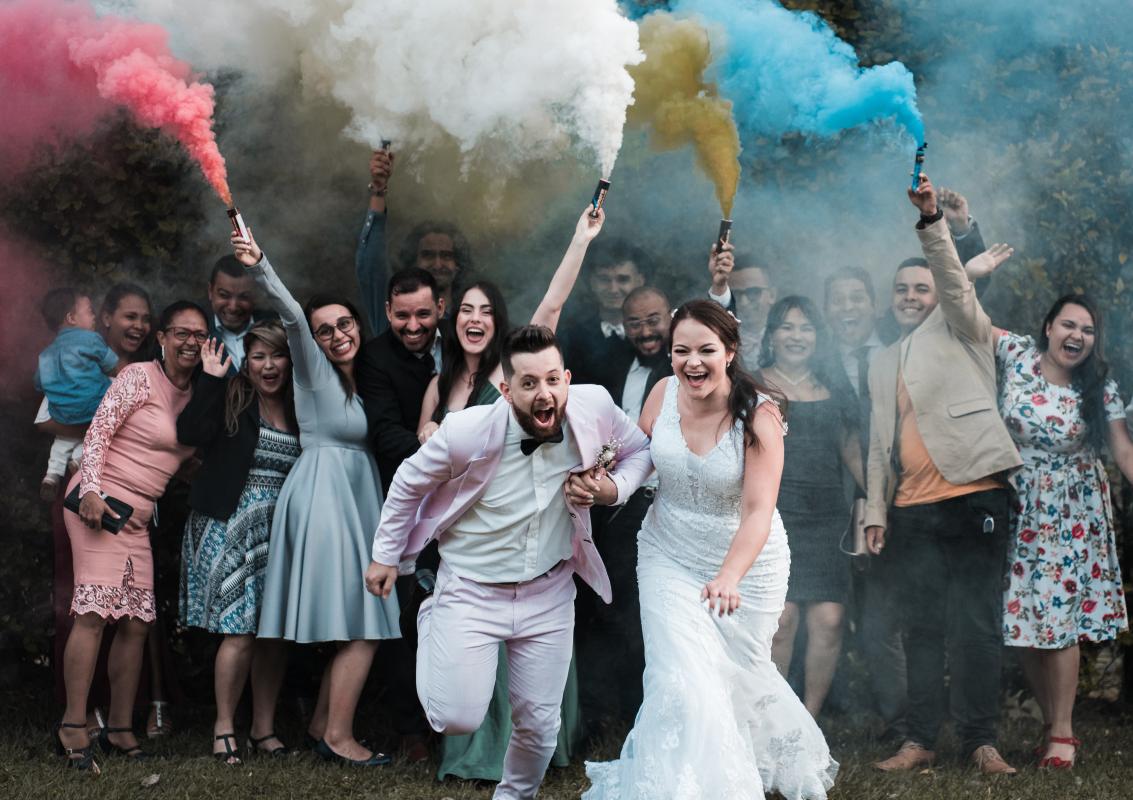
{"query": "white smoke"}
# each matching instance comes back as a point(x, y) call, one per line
point(511, 81)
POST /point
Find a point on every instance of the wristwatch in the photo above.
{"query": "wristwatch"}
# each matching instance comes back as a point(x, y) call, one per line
point(930, 219)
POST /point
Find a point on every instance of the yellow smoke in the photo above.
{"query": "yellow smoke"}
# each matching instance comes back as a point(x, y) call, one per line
point(679, 108)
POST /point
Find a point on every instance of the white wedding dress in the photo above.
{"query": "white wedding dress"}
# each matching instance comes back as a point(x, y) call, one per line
point(718, 721)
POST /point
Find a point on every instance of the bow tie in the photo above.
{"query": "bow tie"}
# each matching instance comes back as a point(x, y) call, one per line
point(611, 329)
point(528, 446)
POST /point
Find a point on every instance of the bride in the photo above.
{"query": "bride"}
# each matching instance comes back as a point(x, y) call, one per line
point(718, 720)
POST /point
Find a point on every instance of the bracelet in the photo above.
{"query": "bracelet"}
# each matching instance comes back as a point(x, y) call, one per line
point(374, 192)
point(925, 221)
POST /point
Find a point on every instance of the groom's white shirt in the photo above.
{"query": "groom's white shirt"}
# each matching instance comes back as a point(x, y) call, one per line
point(520, 526)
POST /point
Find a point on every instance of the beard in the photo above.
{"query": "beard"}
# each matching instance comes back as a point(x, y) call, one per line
point(526, 420)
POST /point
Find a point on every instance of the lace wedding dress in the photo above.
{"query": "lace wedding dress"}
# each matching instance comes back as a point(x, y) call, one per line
point(718, 721)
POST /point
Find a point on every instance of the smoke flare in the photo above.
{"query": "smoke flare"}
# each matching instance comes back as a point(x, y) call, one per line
point(787, 71)
point(56, 53)
point(672, 99)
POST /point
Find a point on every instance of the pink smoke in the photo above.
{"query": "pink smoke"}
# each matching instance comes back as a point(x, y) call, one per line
point(62, 67)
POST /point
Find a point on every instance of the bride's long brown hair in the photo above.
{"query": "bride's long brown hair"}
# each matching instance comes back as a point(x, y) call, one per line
point(745, 390)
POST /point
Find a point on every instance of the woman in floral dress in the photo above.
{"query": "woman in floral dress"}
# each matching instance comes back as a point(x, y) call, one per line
point(1064, 581)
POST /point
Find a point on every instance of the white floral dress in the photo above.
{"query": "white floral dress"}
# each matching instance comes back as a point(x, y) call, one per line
point(1064, 582)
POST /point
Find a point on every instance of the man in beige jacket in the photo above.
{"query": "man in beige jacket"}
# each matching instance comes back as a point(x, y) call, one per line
point(937, 500)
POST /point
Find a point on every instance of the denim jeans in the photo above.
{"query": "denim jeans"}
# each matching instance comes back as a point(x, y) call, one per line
point(948, 560)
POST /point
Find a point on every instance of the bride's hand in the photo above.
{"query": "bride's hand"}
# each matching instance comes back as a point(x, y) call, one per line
point(722, 594)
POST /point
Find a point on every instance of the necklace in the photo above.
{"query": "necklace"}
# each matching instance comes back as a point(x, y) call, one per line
point(788, 379)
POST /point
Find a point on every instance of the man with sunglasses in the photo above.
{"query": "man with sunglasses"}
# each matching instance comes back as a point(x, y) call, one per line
point(746, 291)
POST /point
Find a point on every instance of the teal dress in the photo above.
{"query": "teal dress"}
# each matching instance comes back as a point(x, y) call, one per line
point(328, 508)
point(480, 755)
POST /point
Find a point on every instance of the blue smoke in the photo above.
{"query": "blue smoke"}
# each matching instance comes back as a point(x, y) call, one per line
point(787, 71)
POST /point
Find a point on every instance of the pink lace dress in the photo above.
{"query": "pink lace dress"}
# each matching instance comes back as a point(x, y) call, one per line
point(130, 452)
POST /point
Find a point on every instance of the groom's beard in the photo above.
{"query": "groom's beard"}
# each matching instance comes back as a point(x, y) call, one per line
point(526, 420)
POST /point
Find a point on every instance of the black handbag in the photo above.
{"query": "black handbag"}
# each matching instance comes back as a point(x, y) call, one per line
point(109, 524)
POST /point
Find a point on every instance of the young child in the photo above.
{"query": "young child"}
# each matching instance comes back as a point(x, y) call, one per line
point(74, 373)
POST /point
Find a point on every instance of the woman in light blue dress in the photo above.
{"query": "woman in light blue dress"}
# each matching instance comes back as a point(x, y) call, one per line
point(327, 513)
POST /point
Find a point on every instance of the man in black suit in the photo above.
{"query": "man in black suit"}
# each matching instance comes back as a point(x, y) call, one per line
point(393, 371)
point(610, 649)
point(594, 343)
point(232, 298)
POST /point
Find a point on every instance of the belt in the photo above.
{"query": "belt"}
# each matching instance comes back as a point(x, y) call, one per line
point(515, 584)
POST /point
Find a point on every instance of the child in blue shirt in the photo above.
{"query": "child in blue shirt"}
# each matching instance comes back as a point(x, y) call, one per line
point(74, 373)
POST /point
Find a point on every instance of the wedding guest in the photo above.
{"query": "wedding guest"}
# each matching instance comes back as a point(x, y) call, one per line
point(130, 453)
point(247, 428)
point(471, 376)
point(936, 496)
point(439, 248)
point(326, 514)
point(124, 320)
point(1064, 582)
point(746, 291)
point(799, 360)
point(73, 374)
point(232, 297)
point(593, 338)
point(610, 647)
point(394, 368)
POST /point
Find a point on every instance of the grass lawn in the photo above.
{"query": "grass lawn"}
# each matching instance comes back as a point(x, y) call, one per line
point(28, 769)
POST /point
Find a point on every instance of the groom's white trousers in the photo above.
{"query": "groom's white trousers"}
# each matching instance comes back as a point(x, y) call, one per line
point(459, 630)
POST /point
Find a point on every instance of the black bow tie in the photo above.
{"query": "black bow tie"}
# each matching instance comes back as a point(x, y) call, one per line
point(528, 446)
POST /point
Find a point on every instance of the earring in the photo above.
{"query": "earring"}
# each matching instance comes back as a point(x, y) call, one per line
point(163, 352)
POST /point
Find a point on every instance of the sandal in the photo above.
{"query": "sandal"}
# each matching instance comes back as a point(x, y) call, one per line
point(231, 754)
point(160, 725)
point(134, 753)
point(1054, 762)
point(276, 752)
point(1040, 748)
point(80, 758)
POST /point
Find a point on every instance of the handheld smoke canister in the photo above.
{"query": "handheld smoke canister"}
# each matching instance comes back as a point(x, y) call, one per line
point(238, 222)
point(724, 235)
point(918, 165)
point(386, 144)
point(599, 196)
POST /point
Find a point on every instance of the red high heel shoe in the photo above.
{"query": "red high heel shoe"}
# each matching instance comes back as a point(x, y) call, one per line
point(1040, 748)
point(1054, 762)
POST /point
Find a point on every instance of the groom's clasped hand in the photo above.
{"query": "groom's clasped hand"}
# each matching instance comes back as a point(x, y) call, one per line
point(592, 487)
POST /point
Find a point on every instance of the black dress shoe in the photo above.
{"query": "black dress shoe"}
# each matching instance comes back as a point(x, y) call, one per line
point(424, 582)
point(376, 759)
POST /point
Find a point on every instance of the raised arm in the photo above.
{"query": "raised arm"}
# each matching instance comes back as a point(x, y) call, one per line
point(202, 419)
point(957, 295)
point(720, 264)
point(370, 261)
point(562, 282)
point(763, 468)
point(309, 366)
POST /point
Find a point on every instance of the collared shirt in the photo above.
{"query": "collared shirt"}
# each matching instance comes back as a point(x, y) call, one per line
point(435, 352)
point(613, 329)
point(633, 394)
point(850, 358)
point(520, 527)
point(233, 340)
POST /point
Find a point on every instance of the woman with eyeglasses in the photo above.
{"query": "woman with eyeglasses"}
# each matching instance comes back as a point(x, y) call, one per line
point(130, 453)
point(326, 514)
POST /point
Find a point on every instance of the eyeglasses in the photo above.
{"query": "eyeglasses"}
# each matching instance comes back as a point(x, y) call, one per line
point(653, 320)
point(751, 295)
point(324, 333)
point(183, 334)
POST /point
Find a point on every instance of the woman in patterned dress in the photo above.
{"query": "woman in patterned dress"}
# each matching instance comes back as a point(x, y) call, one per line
point(130, 452)
point(1064, 581)
point(248, 430)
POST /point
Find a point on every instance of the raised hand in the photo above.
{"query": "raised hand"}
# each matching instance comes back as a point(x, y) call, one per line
point(213, 360)
point(588, 227)
point(247, 251)
point(956, 212)
point(987, 262)
point(381, 167)
point(924, 198)
point(720, 265)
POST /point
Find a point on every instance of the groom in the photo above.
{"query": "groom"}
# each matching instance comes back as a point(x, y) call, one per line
point(489, 486)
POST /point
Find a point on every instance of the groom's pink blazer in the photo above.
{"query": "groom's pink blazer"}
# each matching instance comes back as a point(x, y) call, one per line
point(434, 487)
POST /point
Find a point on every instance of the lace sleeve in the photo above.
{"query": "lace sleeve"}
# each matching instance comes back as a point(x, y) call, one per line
point(126, 394)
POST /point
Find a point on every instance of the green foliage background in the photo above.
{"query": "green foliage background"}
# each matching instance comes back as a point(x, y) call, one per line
point(127, 204)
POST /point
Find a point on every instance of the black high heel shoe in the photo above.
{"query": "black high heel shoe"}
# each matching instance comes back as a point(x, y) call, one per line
point(231, 753)
point(134, 753)
point(283, 751)
point(376, 759)
point(80, 758)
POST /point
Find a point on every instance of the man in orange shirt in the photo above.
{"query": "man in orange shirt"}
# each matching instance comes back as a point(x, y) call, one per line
point(937, 503)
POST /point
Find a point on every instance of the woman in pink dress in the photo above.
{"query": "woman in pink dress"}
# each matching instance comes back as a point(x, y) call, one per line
point(130, 453)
